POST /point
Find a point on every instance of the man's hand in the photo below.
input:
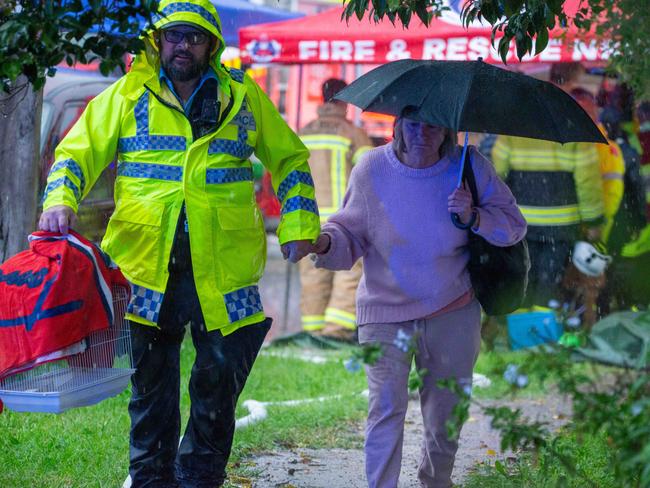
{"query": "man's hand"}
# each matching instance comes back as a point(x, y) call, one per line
point(294, 251)
point(593, 234)
point(59, 218)
point(460, 202)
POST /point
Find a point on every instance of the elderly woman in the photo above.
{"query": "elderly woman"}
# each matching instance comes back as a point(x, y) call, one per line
point(415, 288)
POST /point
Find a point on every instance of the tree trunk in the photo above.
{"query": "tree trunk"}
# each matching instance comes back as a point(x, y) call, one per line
point(20, 122)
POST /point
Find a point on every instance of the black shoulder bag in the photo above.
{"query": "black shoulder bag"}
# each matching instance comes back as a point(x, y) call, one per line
point(499, 274)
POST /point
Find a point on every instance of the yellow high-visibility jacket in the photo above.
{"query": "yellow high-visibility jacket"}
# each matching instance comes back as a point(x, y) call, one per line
point(335, 145)
point(160, 167)
point(557, 186)
point(639, 246)
point(612, 169)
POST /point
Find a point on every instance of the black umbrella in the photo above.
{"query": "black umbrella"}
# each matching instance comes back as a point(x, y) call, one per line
point(473, 96)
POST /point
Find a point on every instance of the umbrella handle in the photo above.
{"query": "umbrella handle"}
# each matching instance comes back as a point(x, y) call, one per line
point(455, 219)
point(462, 162)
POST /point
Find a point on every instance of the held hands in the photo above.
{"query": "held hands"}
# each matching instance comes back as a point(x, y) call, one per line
point(460, 202)
point(294, 251)
point(59, 218)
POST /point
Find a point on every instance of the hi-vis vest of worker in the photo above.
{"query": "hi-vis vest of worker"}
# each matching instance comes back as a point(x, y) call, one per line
point(557, 186)
point(160, 166)
point(335, 145)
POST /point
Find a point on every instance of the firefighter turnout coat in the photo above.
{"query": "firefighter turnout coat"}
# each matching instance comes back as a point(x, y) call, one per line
point(335, 145)
point(161, 167)
point(558, 187)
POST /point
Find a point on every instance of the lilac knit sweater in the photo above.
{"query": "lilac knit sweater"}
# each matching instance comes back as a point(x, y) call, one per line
point(395, 217)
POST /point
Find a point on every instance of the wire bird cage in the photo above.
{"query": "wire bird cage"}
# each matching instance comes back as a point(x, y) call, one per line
point(100, 370)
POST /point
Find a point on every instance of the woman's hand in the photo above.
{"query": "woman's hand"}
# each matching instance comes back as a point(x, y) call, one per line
point(460, 202)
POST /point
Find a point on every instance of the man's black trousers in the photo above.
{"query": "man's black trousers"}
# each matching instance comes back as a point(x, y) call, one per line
point(218, 376)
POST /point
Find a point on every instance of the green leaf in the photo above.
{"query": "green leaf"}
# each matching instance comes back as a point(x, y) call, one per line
point(489, 12)
point(404, 15)
point(12, 69)
point(555, 6)
point(512, 7)
point(542, 41)
point(501, 469)
point(360, 10)
point(504, 44)
point(424, 15)
point(105, 67)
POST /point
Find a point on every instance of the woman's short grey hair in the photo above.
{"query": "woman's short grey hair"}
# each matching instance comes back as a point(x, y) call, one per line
point(447, 147)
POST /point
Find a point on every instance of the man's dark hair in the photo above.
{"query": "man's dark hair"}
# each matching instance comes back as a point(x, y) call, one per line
point(611, 117)
point(331, 87)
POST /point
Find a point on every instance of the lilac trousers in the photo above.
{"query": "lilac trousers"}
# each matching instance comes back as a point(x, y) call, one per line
point(446, 346)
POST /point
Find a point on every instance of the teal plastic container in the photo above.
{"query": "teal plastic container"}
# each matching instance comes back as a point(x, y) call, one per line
point(532, 329)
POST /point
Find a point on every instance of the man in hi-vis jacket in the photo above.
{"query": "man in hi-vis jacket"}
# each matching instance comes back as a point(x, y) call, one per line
point(186, 231)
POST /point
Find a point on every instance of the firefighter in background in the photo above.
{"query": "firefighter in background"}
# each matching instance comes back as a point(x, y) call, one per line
point(559, 190)
point(610, 159)
point(327, 302)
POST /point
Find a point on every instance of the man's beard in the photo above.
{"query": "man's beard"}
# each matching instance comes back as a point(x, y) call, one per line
point(192, 71)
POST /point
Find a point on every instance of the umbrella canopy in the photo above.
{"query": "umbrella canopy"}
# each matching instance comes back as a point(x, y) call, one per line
point(473, 96)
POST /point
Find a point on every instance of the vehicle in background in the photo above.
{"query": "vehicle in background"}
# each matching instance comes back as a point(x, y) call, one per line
point(65, 97)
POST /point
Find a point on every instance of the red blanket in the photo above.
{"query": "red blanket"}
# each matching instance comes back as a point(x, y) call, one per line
point(52, 296)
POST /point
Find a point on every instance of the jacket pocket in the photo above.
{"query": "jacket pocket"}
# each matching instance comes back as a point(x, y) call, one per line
point(136, 239)
point(240, 244)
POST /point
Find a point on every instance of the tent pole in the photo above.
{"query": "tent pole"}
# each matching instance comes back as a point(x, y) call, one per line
point(299, 97)
point(357, 111)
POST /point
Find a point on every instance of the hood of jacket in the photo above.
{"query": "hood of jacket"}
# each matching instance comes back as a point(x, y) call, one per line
point(145, 68)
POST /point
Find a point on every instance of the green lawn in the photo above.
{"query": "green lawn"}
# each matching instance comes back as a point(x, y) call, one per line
point(88, 447)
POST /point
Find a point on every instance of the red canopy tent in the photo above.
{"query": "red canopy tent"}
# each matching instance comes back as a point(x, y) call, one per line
point(325, 38)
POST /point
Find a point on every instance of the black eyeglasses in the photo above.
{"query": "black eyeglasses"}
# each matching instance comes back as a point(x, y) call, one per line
point(194, 38)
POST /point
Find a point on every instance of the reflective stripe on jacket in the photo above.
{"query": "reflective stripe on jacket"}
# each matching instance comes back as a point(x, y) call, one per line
point(160, 166)
point(557, 186)
point(335, 144)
